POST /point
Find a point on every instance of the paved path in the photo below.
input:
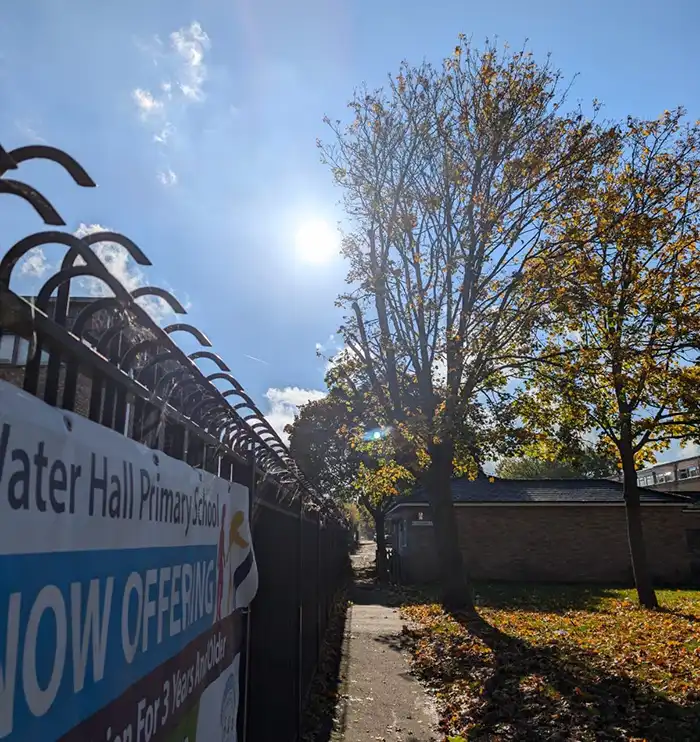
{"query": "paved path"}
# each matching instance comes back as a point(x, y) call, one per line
point(380, 699)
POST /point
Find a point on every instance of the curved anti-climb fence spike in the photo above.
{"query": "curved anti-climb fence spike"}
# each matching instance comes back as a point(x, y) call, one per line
point(175, 375)
point(6, 162)
point(215, 357)
point(106, 339)
point(155, 362)
point(257, 415)
point(166, 296)
point(199, 404)
point(77, 250)
point(258, 426)
point(36, 200)
point(21, 248)
point(201, 392)
point(44, 152)
point(53, 282)
point(136, 253)
point(203, 407)
point(144, 346)
point(227, 377)
point(247, 401)
point(88, 240)
point(201, 338)
point(107, 303)
point(208, 417)
point(217, 422)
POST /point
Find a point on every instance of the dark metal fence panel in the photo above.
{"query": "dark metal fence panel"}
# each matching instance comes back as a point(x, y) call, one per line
point(273, 684)
point(106, 358)
point(309, 598)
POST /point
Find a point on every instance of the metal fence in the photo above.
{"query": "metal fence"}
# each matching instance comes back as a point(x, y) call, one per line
point(105, 357)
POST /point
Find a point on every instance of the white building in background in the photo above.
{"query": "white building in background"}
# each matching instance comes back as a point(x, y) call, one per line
point(674, 476)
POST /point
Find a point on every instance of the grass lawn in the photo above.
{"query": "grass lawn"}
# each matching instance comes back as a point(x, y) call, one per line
point(562, 663)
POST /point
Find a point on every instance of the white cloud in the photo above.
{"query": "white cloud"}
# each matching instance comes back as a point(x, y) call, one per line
point(35, 264)
point(182, 63)
point(692, 449)
point(182, 72)
point(167, 177)
point(164, 133)
point(146, 103)
point(190, 44)
point(119, 264)
point(285, 403)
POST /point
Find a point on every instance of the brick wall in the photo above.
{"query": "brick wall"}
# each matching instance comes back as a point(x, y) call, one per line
point(15, 375)
point(569, 543)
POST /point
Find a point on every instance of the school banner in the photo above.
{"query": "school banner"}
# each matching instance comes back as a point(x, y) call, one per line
point(122, 572)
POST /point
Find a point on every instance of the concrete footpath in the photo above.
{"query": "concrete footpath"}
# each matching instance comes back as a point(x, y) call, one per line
point(380, 699)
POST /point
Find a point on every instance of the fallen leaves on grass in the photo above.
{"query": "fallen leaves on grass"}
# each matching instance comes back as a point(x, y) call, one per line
point(605, 672)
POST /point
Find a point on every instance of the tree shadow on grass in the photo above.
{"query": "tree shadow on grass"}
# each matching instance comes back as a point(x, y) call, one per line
point(680, 614)
point(524, 692)
point(548, 598)
point(535, 597)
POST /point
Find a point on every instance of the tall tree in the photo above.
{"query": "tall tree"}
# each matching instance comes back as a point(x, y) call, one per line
point(319, 441)
point(625, 307)
point(448, 177)
point(334, 442)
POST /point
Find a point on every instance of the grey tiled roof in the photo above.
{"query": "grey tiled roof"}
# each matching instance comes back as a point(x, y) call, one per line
point(544, 491)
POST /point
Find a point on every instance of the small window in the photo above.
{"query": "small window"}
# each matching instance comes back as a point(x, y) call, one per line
point(22, 352)
point(692, 472)
point(683, 474)
point(7, 348)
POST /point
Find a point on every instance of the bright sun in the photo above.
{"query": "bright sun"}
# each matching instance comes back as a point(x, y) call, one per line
point(316, 241)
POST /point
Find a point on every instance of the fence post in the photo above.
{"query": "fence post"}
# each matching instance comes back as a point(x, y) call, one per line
point(300, 633)
point(319, 592)
point(245, 656)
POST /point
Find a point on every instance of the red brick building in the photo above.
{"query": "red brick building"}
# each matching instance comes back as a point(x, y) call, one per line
point(551, 531)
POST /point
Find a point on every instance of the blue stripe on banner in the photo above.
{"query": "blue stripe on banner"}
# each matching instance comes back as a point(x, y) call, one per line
point(243, 569)
point(87, 625)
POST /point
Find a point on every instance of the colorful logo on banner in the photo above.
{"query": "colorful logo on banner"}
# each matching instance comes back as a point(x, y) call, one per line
point(229, 707)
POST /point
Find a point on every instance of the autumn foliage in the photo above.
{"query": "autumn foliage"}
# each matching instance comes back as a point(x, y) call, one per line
point(562, 664)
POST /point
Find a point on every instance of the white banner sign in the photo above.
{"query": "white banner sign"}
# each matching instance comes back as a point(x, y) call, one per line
point(121, 574)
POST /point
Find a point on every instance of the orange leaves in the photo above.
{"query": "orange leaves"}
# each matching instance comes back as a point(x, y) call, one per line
point(563, 665)
point(384, 481)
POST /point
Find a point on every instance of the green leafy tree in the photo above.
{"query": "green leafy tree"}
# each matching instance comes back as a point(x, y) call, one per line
point(448, 177)
point(620, 355)
point(587, 464)
point(563, 453)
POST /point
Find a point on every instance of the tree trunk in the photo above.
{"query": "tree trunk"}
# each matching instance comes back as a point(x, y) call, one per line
point(635, 532)
point(454, 578)
point(382, 566)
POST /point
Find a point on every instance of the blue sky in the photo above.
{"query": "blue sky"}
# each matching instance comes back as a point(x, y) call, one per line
point(198, 120)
